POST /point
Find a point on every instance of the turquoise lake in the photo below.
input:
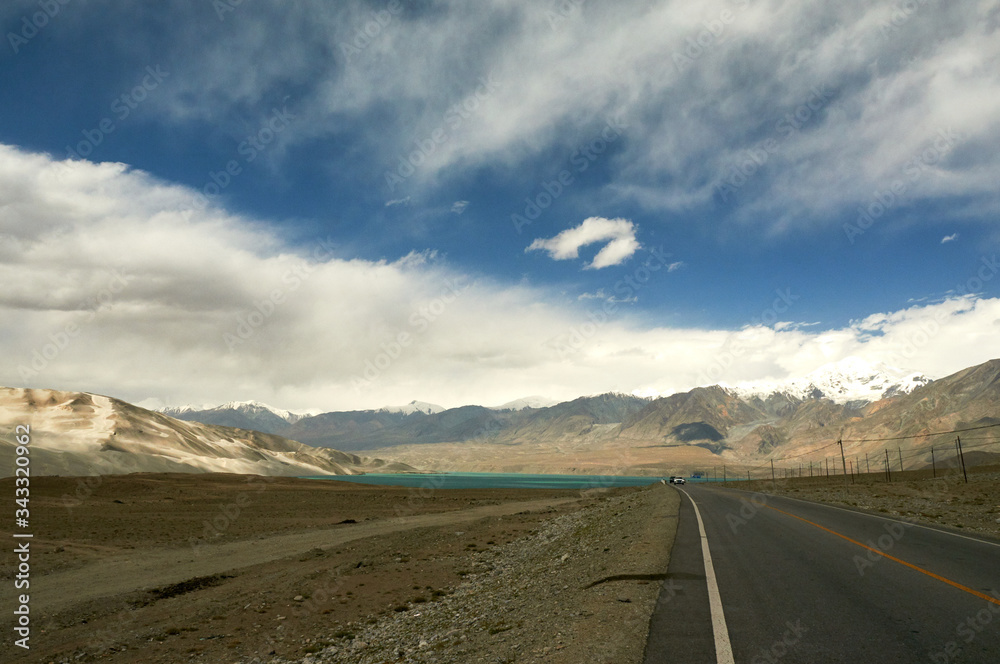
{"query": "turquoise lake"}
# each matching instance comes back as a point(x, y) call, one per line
point(493, 480)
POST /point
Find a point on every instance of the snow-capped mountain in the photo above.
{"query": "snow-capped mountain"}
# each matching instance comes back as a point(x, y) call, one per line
point(252, 415)
point(847, 381)
point(249, 408)
point(533, 401)
point(78, 433)
point(256, 408)
point(174, 411)
point(413, 407)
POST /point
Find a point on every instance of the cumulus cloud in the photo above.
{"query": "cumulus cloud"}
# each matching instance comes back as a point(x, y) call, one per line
point(798, 111)
point(618, 233)
point(112, 285)
point(949, 238)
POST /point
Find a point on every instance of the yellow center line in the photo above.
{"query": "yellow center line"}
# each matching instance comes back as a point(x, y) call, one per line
point(967, 589)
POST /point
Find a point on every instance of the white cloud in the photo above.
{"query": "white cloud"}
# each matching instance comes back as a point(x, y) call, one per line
point(618, 233)
point(397, 201)
point(458, 207)
point(949, 238)
point(673, 267)
point(888, 89)
point(110, 286)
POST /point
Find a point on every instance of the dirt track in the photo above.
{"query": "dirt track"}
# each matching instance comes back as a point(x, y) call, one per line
point(143, 570)
point(115, 577)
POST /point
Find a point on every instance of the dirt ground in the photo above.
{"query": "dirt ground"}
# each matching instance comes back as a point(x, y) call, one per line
point(578, 590)
point(946, 500)
point(226, 568)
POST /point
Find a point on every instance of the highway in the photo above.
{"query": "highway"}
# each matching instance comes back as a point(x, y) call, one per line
point(803, 582)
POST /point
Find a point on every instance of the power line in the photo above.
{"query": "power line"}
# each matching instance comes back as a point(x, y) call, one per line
point(976, 447)
point(907, 455)
point(796, 456)
point(918, 435)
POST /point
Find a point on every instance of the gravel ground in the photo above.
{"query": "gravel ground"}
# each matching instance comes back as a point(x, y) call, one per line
point(946, 500)
point(579, 589)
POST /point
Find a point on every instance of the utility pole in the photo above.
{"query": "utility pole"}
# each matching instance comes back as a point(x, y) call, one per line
point(888, 472)
point(958, 444)
point(723, 474)
point(843, 460)
point(900, 458)
point(810, 469)
point(774, 485)
point(868, 465)
point(827, 460)
point(933, 463)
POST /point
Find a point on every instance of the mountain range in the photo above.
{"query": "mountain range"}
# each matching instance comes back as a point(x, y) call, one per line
point(77, 433)
point(708, 425)
point(797, 422)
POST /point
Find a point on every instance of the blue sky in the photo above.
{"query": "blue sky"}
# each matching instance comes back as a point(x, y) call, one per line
point(820, 178)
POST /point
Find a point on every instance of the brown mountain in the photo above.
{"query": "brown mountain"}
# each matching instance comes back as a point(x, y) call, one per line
point(713, 426)
point(76, 433)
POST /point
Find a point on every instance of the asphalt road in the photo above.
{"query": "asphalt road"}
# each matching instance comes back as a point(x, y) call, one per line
point(802, 582)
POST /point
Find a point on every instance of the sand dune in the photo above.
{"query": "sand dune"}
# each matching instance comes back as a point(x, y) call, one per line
point(76, 433)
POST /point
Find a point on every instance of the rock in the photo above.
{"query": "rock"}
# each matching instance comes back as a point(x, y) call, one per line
point(298, 598)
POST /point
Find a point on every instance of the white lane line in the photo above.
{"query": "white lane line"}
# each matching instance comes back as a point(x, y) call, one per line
point(723, 649)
